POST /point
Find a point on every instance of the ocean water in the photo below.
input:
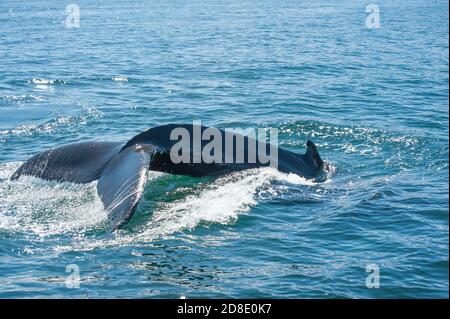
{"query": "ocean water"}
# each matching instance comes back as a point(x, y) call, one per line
point(375, 101)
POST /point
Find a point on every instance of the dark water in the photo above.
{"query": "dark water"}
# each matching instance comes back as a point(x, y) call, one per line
point(375, 101)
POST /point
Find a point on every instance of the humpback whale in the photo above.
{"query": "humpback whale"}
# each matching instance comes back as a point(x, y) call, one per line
point(121, 168)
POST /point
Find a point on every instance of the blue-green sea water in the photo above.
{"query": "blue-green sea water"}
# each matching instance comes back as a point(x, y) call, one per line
point(375, 101)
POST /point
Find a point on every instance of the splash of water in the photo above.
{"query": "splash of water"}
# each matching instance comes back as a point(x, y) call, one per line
point(44, 209)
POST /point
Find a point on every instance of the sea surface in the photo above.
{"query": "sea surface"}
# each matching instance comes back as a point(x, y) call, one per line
point(374, 100)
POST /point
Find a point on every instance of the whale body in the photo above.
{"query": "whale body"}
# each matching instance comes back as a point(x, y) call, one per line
point(121, 168)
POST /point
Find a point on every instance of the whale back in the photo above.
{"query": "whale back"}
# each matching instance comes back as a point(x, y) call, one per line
point(306, 165)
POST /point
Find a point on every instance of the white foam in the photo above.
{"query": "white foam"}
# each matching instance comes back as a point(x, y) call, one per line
point(221, 202)
point(22, 98)
point(120, 79)
point(42, 81)
point(34, 206)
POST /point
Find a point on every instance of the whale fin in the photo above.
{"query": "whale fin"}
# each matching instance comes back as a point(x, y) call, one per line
point(122, 182)
point(76, 163)
point(312, 155)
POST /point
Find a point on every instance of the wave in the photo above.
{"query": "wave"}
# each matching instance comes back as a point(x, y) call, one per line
point(119, 79)
point(53, 125)
point(399, 150)
point(40, 82)
point(21, 99)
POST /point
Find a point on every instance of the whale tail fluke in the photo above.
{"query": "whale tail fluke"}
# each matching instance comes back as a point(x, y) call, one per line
point(76, 163)
point(121, 173)
point(122, 183)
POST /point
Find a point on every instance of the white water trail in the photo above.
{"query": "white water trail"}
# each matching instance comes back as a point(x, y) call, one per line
point(44, 209)
point(220, 202)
